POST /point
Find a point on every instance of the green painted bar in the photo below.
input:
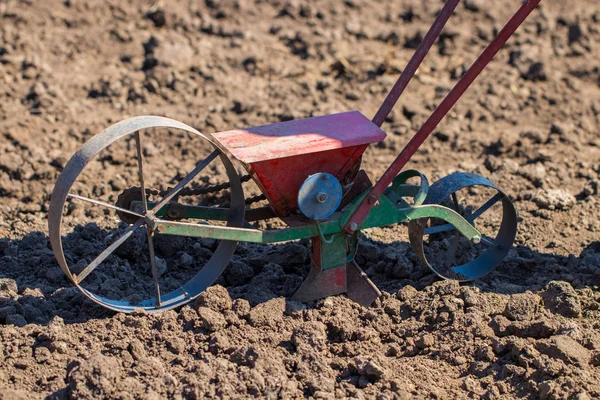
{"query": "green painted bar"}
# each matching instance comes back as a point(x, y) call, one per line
point(194, 212)
point(246, 235)
point(383, 214)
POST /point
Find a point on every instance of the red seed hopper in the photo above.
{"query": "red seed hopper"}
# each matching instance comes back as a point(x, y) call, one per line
point(281, 156)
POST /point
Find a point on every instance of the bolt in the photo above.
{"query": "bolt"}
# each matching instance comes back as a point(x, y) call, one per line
point(476, 240)
point(372, 199)
point(321, 197)
point(353, 226)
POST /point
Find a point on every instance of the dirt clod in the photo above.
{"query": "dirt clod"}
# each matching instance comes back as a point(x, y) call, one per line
point(556, 199)
point(566, 349)
point(211, 320)
point(216, 298)
point(561, 298)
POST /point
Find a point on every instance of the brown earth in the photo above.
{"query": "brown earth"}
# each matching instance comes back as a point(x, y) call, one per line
point(530, 123)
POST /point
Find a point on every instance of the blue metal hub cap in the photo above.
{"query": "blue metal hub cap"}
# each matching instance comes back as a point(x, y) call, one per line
point(319, 196)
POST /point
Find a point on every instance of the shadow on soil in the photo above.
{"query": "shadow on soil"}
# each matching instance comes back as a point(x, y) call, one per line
point(34, 289)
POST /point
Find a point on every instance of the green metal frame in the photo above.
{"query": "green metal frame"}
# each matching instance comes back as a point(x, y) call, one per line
point(391, 208)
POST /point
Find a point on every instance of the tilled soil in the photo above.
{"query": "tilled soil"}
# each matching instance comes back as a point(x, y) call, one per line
point(530, 124)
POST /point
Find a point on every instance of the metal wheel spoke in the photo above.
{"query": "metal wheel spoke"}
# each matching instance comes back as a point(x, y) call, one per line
point(488, 240)
point(456, 204)
point(456, 238)
point(486, 206)
point(154, 268)
point(439, 229)
point(138, 145)
point(108, 251)
point(185, 181)
point(101, 203)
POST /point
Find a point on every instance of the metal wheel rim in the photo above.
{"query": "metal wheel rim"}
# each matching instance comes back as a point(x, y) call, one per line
point(214, 266)
point(490, 258)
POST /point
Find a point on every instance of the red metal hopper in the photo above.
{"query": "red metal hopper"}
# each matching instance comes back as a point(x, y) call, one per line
point(281, 156)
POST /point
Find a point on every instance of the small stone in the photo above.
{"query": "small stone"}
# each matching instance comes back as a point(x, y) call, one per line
point(211, 320)
point(368, 368)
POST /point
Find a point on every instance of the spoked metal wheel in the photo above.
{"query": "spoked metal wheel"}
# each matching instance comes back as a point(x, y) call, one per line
point(103, 257)
point(439, 245)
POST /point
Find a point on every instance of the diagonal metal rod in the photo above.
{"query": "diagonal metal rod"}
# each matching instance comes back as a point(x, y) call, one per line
point(101, 203)
point(185, 181)
point(107, 252)
point(471, 218)
point(138, 145)
point(456, 239)
point(361, 212)
point(485, 206)
point(153, 265)
point(488, 240)
point(455, 201)
point(415, 61)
